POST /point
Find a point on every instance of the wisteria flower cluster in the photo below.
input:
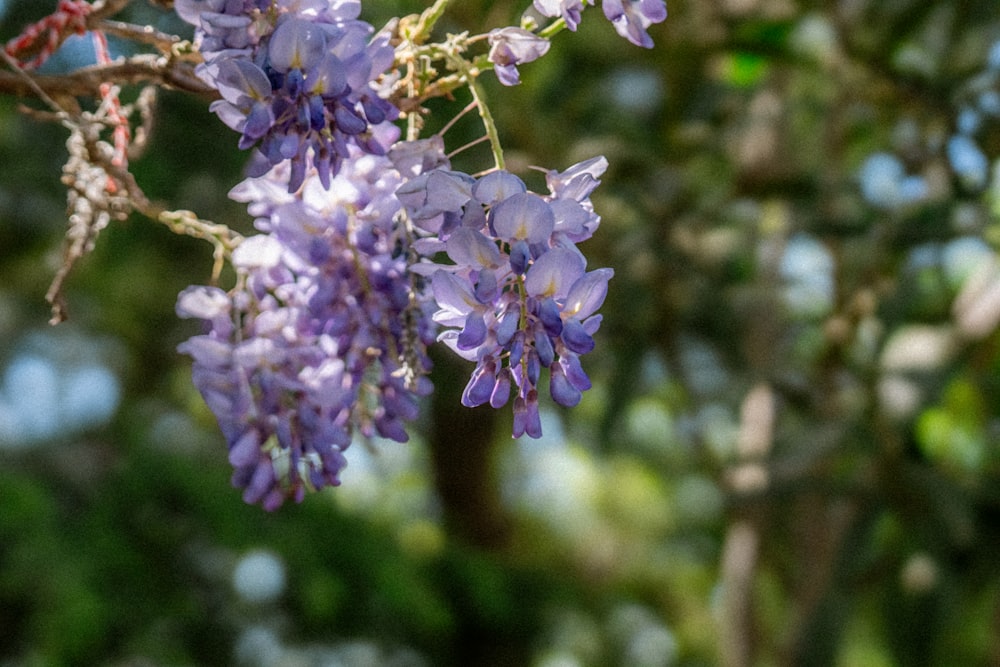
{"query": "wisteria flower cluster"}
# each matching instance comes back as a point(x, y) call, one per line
point(325, 333)
point(371, 248)
point(296, 77)
point(517, 299)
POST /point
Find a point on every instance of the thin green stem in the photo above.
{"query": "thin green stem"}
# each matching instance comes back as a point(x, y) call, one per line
point(488, 122)
point(428, 19)
point(412, 118)
point(553, 28)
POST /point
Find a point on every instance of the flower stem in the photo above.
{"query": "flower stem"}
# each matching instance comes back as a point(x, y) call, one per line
point(553, 28)
point(488, 122)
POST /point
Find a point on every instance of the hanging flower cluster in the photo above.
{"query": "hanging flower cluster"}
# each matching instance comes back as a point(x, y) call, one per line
point(517, 299)
point(372, 247)
point(296, 78)
point(326, 331)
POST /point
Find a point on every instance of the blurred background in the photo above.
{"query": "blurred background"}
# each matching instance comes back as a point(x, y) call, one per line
point(791, 455)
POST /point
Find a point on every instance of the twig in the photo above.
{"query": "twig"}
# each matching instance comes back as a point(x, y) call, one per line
point(184, 222)
point(86, 81)
point(144, 34)
point(30, 84)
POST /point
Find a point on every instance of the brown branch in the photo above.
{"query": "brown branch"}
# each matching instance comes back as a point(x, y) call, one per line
point(145, 68)
point(183, 222)
point(93, 200)
point(143, 34)
point(101, 191)
point(31, 85)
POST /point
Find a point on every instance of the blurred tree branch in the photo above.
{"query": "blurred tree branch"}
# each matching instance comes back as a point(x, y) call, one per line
point(145, 68)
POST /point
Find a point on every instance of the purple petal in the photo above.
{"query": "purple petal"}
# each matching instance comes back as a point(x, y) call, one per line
point(554, 273)
point(507, 326)
point(516, 348)
point(339, 10)
point(574, 371)
point(524, 216)
point(207, 351)
point(480, 386)
point(497, 186)
point(412, 158)
point(258, 122)
point(474, 333)
point(576, 338)
point(317, 115)
point(578, 181)
point(587, 294)
point(520, 255)
point(507, 75)
point(434, 193)
point(631, 18)
point(392, 429)
point(327, 78)
point(543, 346)
point(191, 10)
point(296, 44)
point(562, 390)
point(245, 451)
point(592, 324)
point(447, 190)
point(239, 79)
point(348, 121)
point(452, 295)
point(486, 286)
point(295, 82)
point(501, 392)
point(467, 247)
point(511, 45)
point(548, 313)
point(526, 417)
point(533, 368)
point(259, 484)
point(570, 10)
point(203, 302)
point(232, 116)
point(571, 217)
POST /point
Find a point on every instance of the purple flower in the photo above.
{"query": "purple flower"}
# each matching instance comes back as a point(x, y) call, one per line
point(524, 216)
point(569, 10)
point(428, 196)
point(296, 44)
point(371, 249)
point(632, 17)
point(510, 47)
point(552, 274)
point(575, 219)
point(325, 334)
point(297, 78)
point(516, 298)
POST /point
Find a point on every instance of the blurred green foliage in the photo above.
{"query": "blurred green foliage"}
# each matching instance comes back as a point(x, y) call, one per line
point(778, 464)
